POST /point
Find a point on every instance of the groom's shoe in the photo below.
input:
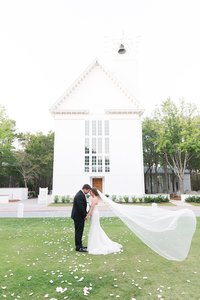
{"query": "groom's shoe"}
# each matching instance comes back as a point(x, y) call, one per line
point(83, 249)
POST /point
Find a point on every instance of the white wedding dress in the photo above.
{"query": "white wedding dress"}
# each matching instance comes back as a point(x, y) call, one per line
point(98, 241)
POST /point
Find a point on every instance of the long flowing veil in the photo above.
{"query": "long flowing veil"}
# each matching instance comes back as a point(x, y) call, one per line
point(169, 233)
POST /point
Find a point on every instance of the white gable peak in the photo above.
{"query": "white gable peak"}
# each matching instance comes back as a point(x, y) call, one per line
point(96, 90)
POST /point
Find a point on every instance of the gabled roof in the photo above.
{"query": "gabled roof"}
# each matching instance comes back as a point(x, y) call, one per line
point(56, 108)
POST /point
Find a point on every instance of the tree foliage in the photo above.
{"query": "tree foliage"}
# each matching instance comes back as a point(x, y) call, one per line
point(178, 135)
point(35, 160)
point(7, 137)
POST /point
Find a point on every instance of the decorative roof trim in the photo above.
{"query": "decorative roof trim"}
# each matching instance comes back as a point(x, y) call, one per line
point(71, 112)
point(95, 63)
point(122, 111)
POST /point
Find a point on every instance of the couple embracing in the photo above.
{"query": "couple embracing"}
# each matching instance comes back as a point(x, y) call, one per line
point(98, 241)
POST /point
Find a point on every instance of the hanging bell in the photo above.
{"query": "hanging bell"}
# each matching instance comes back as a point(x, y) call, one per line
point(121, 50)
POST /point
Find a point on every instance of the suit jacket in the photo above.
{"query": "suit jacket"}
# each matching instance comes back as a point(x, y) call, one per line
point(79, 209)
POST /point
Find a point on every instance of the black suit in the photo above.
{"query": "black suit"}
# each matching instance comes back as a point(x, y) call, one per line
point(79, 212)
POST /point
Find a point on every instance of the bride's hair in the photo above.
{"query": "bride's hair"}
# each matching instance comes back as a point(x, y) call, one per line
point(94, 190)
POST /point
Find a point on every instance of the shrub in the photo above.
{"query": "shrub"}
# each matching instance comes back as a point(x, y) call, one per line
point(114, 198)
point(120, 199)
point(56, 199)
point(126, 199)
point(134, 199)
point(32, 194)
point(63, 199)
point(155, 199)
point(67, 199)
point(195, 199)
point(140, 199)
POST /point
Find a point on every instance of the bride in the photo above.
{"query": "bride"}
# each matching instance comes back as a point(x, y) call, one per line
point(98, 241)
point(168, 233)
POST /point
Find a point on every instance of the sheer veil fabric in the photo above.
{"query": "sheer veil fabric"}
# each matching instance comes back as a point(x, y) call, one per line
point(168, 233)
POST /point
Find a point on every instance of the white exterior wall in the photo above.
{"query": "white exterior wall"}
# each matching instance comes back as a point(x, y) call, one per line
point(68, 175)
point(126, 176)
point(15, 193)
point(126, 158)
point(96, 95)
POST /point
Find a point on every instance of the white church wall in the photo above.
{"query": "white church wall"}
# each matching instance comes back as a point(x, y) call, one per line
point(96, 95)
point(68, 174)
point(126, 176)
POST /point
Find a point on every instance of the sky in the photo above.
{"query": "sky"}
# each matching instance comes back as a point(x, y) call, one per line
point(46, 44)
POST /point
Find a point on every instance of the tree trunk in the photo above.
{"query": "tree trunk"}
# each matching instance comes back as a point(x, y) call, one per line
point(181, 184)
point(166, 189)
point(151, 183)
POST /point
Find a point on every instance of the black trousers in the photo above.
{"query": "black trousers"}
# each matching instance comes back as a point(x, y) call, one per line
point(79, 227)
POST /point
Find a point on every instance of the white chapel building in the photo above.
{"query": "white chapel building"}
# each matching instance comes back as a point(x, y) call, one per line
point(98, 134)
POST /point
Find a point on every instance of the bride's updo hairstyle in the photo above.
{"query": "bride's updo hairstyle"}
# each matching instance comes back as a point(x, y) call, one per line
point(94, 191)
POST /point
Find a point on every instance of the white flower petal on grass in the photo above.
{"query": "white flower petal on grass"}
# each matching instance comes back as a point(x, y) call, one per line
point(86, 291)
point(29, 278)
point(81, 279)
point(138, 271)
point(51, 281)
point(46, 295)
point(145, 277)
point(188, 280)
point(31, 294)
point(4, 287)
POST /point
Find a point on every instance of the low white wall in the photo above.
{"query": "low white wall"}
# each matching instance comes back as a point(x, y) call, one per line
point(4, 198)
point(15, 193)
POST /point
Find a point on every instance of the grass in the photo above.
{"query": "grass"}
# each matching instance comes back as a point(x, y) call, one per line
point(37, 256)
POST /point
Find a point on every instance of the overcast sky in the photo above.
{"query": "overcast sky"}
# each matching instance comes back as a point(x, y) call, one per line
point(46, 44)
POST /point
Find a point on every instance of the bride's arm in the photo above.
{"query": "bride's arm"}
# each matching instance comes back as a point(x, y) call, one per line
point(93, 203)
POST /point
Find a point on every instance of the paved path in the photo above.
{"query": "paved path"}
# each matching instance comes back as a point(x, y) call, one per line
point(33, 210)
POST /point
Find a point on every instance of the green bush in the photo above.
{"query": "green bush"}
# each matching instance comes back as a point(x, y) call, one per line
point(67, 199)
point(56, 199)
point(114, 198)
point(195, 199)
point(140, 199)
point(63, 199)
point(134, 199)
point(126, 198)
point(155, 199)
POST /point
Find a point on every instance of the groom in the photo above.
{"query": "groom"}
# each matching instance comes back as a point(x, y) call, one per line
point(79, 212)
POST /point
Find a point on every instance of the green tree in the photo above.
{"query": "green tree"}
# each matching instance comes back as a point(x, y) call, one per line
point(151, 155)
point(7, 138)
point(178, 131)
point(36, 163)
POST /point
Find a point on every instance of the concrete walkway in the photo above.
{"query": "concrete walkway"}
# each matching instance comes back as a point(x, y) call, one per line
point(31, 209)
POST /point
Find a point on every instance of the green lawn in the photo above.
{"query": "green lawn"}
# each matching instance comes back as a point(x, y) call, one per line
point(37, 256)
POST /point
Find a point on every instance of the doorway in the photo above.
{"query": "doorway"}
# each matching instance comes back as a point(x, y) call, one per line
point(97, 183)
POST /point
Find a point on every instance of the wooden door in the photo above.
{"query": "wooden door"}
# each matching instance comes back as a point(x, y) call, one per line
point(97, 183)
